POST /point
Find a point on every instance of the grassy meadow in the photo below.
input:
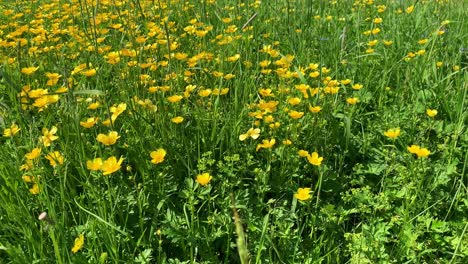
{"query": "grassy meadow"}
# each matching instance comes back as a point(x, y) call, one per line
point(216, 131)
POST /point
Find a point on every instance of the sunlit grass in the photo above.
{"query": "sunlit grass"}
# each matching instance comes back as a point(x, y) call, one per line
point(233, 132)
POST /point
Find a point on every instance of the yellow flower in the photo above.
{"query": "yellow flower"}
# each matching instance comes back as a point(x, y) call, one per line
point(268, 119)
point(377, 20)
point(111, 165)
point(106, 122)
point(35, 152)
point(79, 242)
point(421, 52)
point(266, 144)
point(157, 156)
point(410, 9)
point(78, 68)
point(423, 152)
point(422, 41)
point(413, 149)
point(37, 93)
point(264, 63)
point(117, 110)
point(55, 158)
point(314, 74)
point(175, 98)
point(387, 42)
point(9, 132)
point(373, 42)
point(392, 133)
point(314, 159)
point(294, 101)
point(345, 81)
point(203, 179)
point(89, 73)
point(28, 179)
point(315, 109)
point(431, 112)
point(52, 78)
point(29, 70)
point(352, 100)
point(253, 133)
point(204, 93)
point(420, 152)
point(112, 57)
point(93, 106)
point(34, 189)
point(61, 89)
point(108, 139)
point(89, 123)
point(177, 120)
point(287, 142)
point(439, 64)
point(48, 136)
point(303, 153)
point(94, 164)
point(303, 194)
point(357, 86)
point(295, 114)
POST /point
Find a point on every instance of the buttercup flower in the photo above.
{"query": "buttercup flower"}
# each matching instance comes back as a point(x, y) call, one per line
point(108, 139)
point(94, 164)
point(9, 132)
point(89, 123)
point(315, 109)
point(48, 136)
point(175, 98)
point(53, 78)
point(158, 156)
point(266, 144)
point(35, 152)
point(55, 158)
point(205, 92)
point(177, 120)
point(420, 152)
point(295, 114)
point(352, 100)
point(410, 9)
point(392, 133)
point(252, 132)
point(303, 194)
point(34, 189)
point(204, 178)
point(431, 112)
point(89, 73)
point(423, 152)
point(79, 242)
point(294, 101)
point(93, 106)
point(29, 70)
point(117, 110)
point(314, 159)
point(111, 165)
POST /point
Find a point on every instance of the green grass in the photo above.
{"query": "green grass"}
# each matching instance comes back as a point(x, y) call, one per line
point(370, 200)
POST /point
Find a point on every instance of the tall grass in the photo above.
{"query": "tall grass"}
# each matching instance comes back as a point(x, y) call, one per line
point(233, 131)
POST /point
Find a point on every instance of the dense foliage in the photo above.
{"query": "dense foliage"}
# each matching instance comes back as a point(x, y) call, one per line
point(214, 131)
